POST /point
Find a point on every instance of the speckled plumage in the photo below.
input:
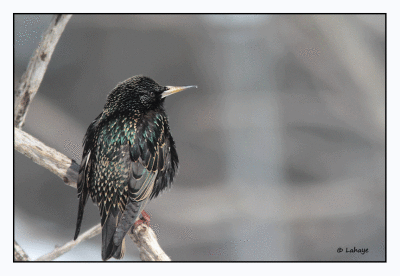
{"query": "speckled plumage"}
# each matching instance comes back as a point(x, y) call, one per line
point(129, 157)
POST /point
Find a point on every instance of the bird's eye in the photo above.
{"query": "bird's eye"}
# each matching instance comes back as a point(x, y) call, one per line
point(151, 94)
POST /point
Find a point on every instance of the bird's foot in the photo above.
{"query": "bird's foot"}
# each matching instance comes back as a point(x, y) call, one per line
point(145, 218)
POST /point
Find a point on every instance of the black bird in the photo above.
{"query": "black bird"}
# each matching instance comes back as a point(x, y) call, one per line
point(129, 157)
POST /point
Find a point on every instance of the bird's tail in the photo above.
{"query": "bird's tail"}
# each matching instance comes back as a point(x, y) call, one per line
point(131, 214)
point(109, 249)
point(115, 228)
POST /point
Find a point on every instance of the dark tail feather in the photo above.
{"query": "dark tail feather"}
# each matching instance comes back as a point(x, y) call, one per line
point(107, 233)
point(82, 202)
point(115, 228)
point(120, 252)
point(132, 211)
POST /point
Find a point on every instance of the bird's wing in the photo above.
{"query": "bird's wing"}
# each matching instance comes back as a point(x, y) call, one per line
point(147, 153)
point(128, 160)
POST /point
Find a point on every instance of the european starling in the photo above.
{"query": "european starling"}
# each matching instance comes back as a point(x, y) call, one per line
point(129, 157)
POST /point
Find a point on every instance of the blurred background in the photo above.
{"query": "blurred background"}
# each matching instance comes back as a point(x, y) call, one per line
point(281, 148)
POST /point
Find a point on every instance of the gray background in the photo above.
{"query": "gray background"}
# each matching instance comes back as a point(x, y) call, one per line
point(281, 148)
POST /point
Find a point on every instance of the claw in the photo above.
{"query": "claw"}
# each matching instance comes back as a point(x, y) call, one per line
point(145, 219)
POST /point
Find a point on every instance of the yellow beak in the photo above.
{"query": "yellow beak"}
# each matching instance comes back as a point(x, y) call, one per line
point(175, 89)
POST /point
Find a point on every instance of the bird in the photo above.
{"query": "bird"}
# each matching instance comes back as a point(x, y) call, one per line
point(129, 157)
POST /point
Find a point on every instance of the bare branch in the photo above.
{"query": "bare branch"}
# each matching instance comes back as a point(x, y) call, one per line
point(94, 231)
point(19, 253)
point(67, 169)
point(145, 239)
point(56, 162)
point(37, 66)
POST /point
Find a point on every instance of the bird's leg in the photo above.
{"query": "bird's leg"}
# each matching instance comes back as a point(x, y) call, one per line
point(144, 219)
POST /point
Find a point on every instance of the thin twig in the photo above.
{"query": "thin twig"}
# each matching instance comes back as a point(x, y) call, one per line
point(94, 231)
point(19, 253)
point(37, 66)
point(67, 170)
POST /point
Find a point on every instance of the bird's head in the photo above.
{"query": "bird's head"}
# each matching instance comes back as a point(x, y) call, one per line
point(139, 93)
